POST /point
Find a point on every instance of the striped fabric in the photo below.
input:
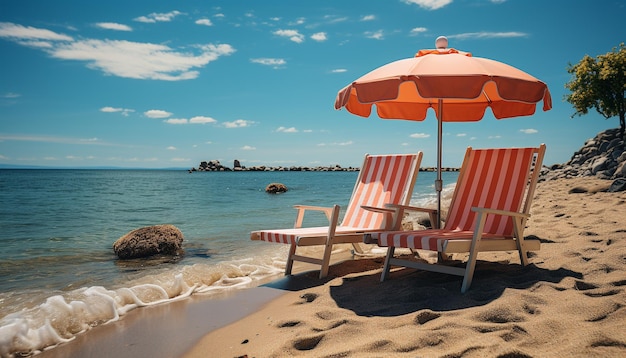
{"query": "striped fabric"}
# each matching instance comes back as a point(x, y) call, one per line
point(490, 178)
point(382, 179)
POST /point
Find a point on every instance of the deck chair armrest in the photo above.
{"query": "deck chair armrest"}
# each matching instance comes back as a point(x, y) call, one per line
point(400, 209)
point(411, 208)
point(500, 212)
point(379, 209)
point(328, 211)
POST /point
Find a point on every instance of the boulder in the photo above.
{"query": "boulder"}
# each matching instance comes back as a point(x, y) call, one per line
point(603, 156)
point(149, 241)
point(618, 185)
point(274, 188)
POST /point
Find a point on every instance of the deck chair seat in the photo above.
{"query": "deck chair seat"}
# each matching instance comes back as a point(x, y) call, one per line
point(456, 242)
point(488, 212)
point(383, 182)
point(310, 236)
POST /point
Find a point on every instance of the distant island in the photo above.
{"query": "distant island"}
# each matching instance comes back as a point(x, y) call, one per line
point(216, 166)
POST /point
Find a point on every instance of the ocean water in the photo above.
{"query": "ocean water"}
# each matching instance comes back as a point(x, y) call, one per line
point(60, 276)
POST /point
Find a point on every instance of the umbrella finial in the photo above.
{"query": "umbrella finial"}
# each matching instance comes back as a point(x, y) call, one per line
point(441, 43)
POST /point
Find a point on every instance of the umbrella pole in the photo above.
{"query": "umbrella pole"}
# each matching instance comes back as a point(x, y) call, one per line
point(438, 181)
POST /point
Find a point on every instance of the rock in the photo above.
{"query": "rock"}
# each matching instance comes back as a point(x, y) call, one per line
point(599, 164)
point(149, 241)
point(274, 188)
point(618, 185)
point(603, 156)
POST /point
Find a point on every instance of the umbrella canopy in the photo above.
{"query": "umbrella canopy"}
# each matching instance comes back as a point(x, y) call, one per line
point(456, 85)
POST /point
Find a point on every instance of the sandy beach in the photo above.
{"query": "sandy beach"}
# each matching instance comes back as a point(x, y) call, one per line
point(571, 301)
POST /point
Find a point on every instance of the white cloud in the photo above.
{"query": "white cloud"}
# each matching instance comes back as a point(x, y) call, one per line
point(140, 60)
point(293, 35)
point(247, 147)
point(299, 21)
point(239, 123)
point(11, 95)
point(368, 18)
point(49, 139)
point(30, 36)
point(494, 137)
point(125, 111)
point(204, 22)
point(529, 131)
point(202, 120)
point(333, 19)
point(429, 4)
point(180, 160)
point(376, 35)
point(320, 36)
point(110, 109)
point(120, 58)
point(486, 35)
point(419, 135)
point(171, 147)
point(176, 121)
point(336, 144)
point(158, 17)
point(418, 30)
point(287, 130)
point(157, 113)
point(276, 62)
point(339, 70)
point(461, 135)
point(113, 26)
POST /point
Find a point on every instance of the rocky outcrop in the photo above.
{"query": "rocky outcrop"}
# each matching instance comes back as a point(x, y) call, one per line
point(212, 166)
point(149, 241)
point(603, 156)
point(215, 166)
point(274, 188)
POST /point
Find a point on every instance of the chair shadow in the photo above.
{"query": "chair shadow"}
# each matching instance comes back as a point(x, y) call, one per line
point(409, 290)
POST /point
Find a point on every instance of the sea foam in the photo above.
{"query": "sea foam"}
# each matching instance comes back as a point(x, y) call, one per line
point(61, 317)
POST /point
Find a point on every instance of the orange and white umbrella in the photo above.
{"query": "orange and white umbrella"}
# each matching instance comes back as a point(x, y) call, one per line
point(456, 85)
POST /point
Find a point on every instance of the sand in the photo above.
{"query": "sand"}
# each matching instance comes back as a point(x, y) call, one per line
point(570, 302)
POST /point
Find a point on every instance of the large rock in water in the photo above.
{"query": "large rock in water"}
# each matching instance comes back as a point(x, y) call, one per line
point(149, 241)
point(274, 188)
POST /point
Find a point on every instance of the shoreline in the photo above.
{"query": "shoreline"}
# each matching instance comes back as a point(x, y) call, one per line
point(573, 292)
point(171, 329)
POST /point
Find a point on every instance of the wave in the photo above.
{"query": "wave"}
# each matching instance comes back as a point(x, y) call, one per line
point(63, 316)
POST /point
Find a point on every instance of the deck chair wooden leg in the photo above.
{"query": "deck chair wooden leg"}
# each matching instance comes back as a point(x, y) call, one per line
point(289, 265)
point(473, 254)
point(326, 261)
point(387, 265)
point(519, 235)
point(357, 247)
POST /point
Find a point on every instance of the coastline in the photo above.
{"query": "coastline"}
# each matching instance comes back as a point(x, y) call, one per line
point(570, 301)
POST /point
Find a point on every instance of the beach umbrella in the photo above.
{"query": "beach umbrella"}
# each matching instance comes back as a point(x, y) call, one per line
point(456, 85)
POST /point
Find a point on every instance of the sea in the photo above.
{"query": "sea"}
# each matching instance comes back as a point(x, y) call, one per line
point(60, 276)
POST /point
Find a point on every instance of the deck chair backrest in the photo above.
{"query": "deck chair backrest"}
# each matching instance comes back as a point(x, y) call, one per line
point(498, 179)
point(382, 179)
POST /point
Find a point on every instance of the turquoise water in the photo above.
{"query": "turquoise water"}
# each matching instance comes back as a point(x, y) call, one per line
point(57, 227)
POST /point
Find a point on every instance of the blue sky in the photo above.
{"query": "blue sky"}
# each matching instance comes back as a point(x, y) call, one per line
point(157, 84)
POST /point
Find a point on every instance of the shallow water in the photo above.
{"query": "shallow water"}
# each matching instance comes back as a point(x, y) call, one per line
point(61, 277)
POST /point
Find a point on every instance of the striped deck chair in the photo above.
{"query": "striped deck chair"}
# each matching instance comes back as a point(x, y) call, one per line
point(488, 212)
point(384, 180)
